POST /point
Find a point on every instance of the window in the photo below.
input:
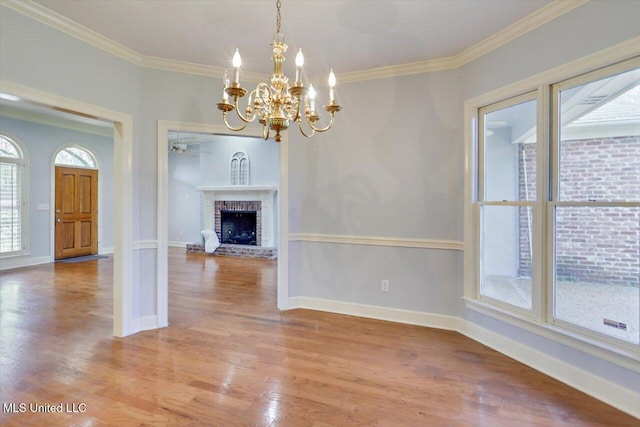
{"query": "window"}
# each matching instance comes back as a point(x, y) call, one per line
point(506, 196)
point(239, 170)
point(77, 157)
point(595, 201)
point(12, 198)
point(555, 213)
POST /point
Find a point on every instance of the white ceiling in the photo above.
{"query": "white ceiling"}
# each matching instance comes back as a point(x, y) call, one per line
point(346, 35)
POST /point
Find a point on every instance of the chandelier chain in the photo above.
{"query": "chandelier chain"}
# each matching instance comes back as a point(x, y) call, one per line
point(278, 20)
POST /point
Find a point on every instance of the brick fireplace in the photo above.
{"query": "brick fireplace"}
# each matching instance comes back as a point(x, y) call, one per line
point(246, 207)
point(258, 199)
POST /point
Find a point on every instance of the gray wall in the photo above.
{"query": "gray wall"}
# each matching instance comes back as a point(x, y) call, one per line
point(264, 159)
point(390, 169)
point(41, 141)
point(184, 200)
point(392, 166)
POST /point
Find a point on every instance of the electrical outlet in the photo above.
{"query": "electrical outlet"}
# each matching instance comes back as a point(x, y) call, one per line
point(384, 285)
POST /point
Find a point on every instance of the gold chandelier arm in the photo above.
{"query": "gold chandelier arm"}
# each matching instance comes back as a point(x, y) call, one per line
point(226, 122)
point(247, 119)
point(324, 129)
point(308, 135)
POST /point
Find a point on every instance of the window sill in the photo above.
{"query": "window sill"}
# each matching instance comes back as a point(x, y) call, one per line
point(623, 357)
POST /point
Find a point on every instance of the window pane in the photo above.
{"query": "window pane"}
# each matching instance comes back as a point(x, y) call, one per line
point(597, 268)
point(506, 254)
point(600, 140)
point(7, 149)
point(74, 156)
point(244, 172)
point(234, 172)
point(510, 153)
point(10, 208)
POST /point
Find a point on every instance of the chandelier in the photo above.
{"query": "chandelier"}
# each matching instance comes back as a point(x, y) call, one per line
point(277, 104)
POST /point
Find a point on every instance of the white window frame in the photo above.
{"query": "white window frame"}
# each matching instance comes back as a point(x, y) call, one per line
point(23, 163)
point(481, 202)
point(540, 321)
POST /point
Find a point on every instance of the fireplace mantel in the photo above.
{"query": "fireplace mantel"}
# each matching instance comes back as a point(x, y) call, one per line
point(265, 194)
point(237, 188)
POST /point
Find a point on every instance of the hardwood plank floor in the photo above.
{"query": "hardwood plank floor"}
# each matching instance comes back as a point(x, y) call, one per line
point(230, 358)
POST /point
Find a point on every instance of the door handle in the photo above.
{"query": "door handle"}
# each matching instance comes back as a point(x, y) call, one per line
point(57, 210)
point(59, 220)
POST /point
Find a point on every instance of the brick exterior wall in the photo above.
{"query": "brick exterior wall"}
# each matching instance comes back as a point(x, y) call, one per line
point(592, 244)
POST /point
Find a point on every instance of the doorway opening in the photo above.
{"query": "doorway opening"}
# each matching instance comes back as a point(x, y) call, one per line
point(184, 143)
point(48, 104)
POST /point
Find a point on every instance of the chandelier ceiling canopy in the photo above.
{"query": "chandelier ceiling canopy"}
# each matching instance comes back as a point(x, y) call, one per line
point(276, 104)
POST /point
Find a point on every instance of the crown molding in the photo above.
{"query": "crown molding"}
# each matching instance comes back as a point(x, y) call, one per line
point(530, 22)
point(535, 20)
point(72, 28)
point(176, 66)
point(48, 120)
point(420, 67)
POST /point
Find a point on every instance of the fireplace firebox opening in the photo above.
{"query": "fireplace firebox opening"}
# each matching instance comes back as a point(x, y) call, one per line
point(238, 227)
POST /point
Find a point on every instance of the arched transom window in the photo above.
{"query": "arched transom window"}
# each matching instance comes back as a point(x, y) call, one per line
point(76, 156)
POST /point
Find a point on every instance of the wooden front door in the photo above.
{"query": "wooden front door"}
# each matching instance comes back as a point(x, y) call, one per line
point(76, 218)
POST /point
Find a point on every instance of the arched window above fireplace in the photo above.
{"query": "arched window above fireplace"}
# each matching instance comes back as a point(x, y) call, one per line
point(239, 169)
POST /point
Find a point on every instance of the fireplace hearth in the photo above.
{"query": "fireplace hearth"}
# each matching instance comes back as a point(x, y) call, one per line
point(238, 227)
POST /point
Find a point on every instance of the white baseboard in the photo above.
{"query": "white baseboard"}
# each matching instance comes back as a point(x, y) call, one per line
point(593, 385)
point(106, 250)
point(377, 312)
point(586, 382)
point(145, 323)
point(175, 244)
point(17, 262)
point(145, 244)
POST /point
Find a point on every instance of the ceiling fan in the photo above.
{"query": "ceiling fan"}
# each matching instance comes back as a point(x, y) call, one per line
point(181, 145)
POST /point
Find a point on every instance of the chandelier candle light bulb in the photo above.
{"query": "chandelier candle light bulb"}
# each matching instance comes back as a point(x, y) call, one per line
point(276, 104)
point(299, 64)
point(237, 61)
point(225, 85)
point(332, 85)
point(312, 99)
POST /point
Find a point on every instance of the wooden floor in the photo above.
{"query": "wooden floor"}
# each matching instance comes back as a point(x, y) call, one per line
point(230, 358)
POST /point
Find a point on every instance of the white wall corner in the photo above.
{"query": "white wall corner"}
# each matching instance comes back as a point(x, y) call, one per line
point(619, 397)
